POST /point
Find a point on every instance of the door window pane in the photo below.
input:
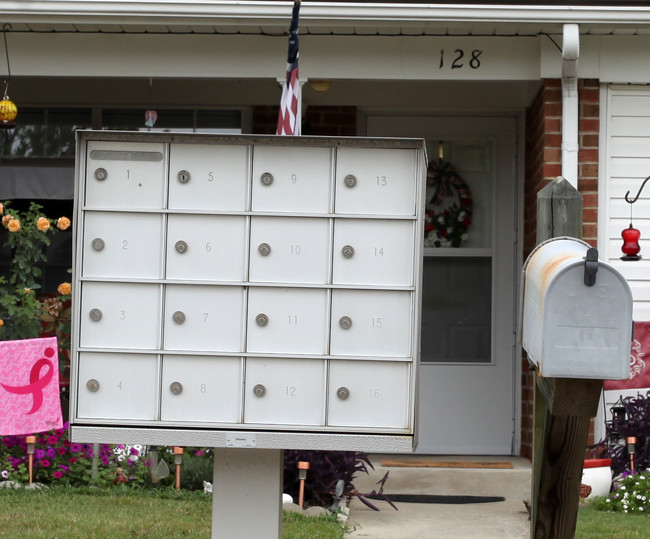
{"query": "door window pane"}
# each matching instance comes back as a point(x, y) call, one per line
point(456, 310)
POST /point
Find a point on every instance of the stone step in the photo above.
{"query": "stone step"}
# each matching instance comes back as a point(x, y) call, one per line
point(509, 477)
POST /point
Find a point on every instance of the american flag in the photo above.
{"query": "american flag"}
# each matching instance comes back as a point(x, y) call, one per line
point(289, 117)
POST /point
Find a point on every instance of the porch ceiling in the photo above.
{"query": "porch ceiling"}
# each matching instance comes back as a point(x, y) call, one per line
point(318, 18)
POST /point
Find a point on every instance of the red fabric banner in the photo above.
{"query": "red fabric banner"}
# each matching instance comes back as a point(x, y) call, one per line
point(639, 368)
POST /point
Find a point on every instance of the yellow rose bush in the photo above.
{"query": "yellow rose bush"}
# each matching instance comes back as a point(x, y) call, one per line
point(22, 310)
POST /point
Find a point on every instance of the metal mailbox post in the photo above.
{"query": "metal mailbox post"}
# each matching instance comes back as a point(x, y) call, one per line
point(247, 293)
point(577, 313)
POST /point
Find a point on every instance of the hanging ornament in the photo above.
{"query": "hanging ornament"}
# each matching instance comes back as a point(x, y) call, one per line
point(631, 235)
point(8, 109)
point(449, 207)
point(150, 116)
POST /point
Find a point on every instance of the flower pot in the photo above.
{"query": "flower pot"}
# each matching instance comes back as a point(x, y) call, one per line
point(597, 473)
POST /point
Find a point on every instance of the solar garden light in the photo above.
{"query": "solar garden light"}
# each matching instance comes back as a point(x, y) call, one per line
point(631, 449)
point(302, 475)
point(178, 460)
point(30, 440)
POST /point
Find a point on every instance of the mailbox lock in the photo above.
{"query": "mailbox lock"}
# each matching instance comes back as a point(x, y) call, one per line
point(264, 249)
point(179, 317)
point(262, 320)
point(95, 315)
point(350, 181)
point(347, 251)
point(259, 390)
point(181, 246)
point(591, 266)
point(101, 174)
point(183, 176)
point(98, 244)
point(345, 322)
point(266, 179)
point(176, 388)
point(92, 385)
point(342, 393)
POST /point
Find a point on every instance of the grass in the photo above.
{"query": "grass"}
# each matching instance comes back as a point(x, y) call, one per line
point(86, 513)
point(595, 524)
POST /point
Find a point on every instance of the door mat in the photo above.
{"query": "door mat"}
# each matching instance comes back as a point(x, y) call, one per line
point(446, 464)
point(435, 498)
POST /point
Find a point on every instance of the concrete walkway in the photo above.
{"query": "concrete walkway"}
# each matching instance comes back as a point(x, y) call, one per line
point(493, 520)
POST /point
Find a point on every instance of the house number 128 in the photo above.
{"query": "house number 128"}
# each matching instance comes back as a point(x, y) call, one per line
point(459, 59)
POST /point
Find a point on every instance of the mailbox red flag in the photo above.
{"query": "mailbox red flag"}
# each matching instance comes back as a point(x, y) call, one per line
point(29, 386)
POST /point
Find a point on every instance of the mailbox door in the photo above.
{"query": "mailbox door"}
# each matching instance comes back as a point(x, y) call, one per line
point(122, 245)
point(289, 250)
point(287, 320)
point(208, 177)
point(371, 323)
point(285, 391)
point(206, 247)
point(117, 386)
point(291, 179)
point(120, 315)
point(201, 388)
point(125, 175)
point(206, 318)
point(377, 252)
point(368, 394)
point(375, 181)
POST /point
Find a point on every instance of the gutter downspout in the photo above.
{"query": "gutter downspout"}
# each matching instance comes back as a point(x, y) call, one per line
point(570, 127)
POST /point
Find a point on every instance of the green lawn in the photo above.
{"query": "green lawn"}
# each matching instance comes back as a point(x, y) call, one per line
point(84, 513)
point(594, 524)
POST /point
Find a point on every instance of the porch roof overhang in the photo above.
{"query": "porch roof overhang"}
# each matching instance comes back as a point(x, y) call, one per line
point(321, 18)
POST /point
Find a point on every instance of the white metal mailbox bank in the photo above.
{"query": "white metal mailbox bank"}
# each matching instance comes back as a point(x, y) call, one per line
point(247, 291)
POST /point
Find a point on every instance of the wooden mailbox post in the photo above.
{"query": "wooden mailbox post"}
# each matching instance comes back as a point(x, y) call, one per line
point(577, 325)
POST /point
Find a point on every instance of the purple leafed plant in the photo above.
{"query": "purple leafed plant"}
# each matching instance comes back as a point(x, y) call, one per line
point(630, 417)
point(326, 469)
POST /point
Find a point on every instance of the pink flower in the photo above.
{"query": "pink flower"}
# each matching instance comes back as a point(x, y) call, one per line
point(52, 440)
point(45, 463)
point(57, 474)
point(60, 450)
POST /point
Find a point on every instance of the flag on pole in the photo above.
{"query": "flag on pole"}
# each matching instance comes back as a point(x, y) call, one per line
point(29, 386)
point(289, 117)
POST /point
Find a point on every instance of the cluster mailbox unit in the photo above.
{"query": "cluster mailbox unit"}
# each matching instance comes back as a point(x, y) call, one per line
point(247, 291)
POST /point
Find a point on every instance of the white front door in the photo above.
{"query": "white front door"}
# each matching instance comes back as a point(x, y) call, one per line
point(468, 361)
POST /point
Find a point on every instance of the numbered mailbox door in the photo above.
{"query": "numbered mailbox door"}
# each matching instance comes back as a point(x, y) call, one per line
point(291, 179)
point(287, 320)
point(208, 177)
point(374, 252)
point(285, 391)
point(371, 323)
point(120, 315)
point(290, 250)
point(375, 181)
point(369, 394)
point(117, 386)
point(125, 175)
point(206, 318)
point(206, 247)
point(122, 245)
point(201, 389)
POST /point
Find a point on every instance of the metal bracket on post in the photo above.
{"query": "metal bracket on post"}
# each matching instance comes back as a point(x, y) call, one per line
point(591, 266)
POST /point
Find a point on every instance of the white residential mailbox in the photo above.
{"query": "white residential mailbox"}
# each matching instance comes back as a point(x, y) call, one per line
point(247, 291)
point(577, 313)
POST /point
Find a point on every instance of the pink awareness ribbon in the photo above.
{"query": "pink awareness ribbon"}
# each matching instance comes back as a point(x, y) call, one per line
point(36, 382)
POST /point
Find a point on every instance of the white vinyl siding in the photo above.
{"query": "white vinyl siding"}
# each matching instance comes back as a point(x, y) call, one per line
point(625, 164)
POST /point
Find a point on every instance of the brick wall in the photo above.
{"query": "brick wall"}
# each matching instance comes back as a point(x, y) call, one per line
point(329, 121)
point(543, 164)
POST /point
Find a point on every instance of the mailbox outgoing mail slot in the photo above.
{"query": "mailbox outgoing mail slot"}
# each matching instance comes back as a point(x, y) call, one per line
point(577, 313)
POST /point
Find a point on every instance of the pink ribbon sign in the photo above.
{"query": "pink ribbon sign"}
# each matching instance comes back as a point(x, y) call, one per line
point(29, 386)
